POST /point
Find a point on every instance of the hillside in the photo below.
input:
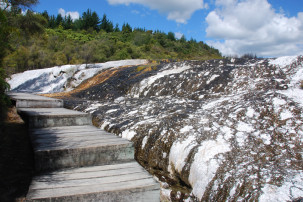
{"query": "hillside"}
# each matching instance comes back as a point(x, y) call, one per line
point(216, 130)
point(41, 41)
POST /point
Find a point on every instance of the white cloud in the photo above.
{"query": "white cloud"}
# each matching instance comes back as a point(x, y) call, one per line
point(135, 12)
point(61, 11)
point(178, 10)
point(74, 14)
point(253, 26)
point(178, 35)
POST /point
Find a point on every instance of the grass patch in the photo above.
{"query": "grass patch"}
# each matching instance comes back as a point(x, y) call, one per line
point(152, 65)
point(146, 68)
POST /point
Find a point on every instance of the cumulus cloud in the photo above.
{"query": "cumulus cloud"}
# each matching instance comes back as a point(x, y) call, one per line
point(253, 26)
point(178, 35)
point(178, 10)
point(61, 11)
point(73, 14)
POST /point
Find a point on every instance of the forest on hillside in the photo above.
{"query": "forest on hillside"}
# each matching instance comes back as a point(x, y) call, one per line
point(43, 41)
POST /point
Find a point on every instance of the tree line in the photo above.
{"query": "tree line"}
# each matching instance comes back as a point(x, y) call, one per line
point(89, 20)
point(48, 40)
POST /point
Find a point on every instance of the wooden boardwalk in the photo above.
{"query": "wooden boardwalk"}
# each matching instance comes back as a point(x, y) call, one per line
point(76, 161)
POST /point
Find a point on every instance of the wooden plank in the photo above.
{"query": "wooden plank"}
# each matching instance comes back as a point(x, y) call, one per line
point(94, 181)
point(80, 190)
point(63, 129)
point(119, 166)
point(58, 112)
point(70, 131)
point(53, 177)
point(28, 96)
point(47, 146)
point(74, 136)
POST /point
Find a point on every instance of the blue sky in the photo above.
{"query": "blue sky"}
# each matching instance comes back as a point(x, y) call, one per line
point(267, 28)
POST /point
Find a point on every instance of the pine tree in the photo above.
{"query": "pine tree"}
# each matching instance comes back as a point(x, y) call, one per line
point(68, 22)
point(183, 39)
point(117, 29)
point(59, 20)
point(171, 36)
point(106, 25)
point(90, 20)
point(52, 22)
point(126, 28)
point(45, 15)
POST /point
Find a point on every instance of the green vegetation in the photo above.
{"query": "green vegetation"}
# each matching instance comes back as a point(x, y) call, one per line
point(13, 23)
point(3, 85)
point(301, 84)
point(91, 40)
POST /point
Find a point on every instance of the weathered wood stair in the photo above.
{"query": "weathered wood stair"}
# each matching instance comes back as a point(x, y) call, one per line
point(76, 161)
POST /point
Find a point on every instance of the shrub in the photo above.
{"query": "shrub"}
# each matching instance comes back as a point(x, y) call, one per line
point(123, 54)
point(4, 100)
point(4, 32)
point(301, 84)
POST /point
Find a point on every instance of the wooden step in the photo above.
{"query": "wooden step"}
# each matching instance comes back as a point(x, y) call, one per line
point(80, 162)
point(78, 146)
point(52, 117)
point(119, 182)
point(25, 100)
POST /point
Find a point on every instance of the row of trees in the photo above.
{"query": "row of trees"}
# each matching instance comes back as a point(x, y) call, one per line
point(59, 47)
point(90, 40)
point(89, 21)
